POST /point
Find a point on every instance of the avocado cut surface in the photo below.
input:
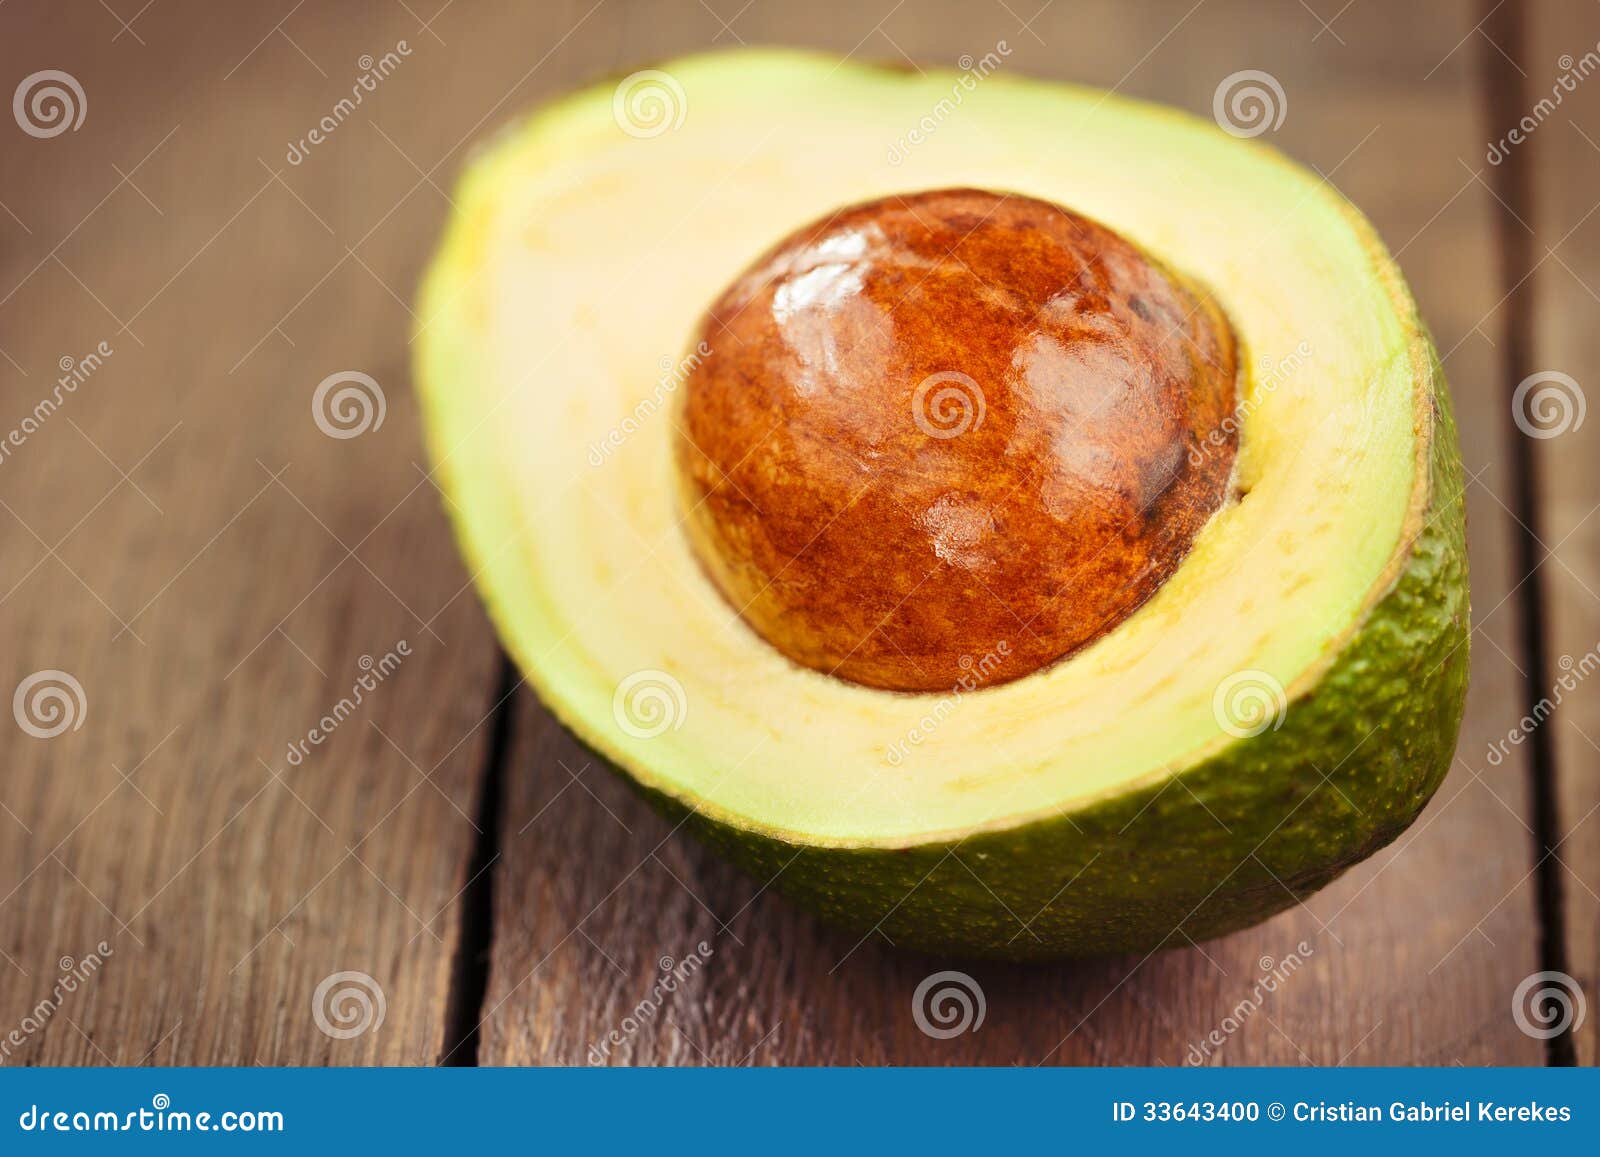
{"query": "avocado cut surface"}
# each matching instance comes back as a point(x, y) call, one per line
point(1282, 706)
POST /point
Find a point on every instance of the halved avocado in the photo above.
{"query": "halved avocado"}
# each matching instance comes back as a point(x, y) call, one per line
point(1283, 704)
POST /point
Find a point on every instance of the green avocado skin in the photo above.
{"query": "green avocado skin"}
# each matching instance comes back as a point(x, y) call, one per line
point(1242, 835)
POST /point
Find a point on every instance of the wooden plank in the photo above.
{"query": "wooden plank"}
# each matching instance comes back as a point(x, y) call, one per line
point(215, 571)
point(1562, 148)
point(1412, 957)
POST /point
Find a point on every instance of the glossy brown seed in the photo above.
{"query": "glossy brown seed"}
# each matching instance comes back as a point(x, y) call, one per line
point(946, 439)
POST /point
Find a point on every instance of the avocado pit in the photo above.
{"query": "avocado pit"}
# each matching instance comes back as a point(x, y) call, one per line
point(951, 431)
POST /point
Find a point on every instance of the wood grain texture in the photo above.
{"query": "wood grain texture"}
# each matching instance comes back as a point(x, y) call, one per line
point(1562, 233)
point(1411, 957)
point(182, 538)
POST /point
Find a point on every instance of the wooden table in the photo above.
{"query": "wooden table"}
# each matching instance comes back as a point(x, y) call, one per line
point(181, 539)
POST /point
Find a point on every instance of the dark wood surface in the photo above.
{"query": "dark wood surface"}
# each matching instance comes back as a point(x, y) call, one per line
point(1556, 234)
point(183, 539)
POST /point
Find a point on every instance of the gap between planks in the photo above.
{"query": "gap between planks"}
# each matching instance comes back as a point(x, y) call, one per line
point(1506, 93)
point(469, 972)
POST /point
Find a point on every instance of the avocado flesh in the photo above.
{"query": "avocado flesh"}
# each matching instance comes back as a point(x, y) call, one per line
point(1097, 805)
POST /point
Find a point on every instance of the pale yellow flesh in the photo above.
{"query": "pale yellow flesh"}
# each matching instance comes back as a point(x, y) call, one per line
point(578, 266)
